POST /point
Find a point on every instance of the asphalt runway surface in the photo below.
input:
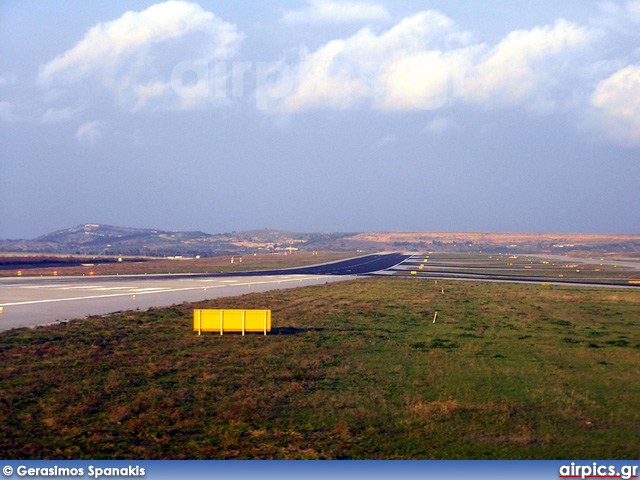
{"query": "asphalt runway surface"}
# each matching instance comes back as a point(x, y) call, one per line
point(33, 301)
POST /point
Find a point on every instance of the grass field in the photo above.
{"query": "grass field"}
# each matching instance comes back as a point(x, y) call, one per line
point(351, 370)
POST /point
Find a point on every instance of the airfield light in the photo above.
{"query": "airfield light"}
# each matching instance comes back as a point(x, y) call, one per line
point(55, 272)
point(19, 273)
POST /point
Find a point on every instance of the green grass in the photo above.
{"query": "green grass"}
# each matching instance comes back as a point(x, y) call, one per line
point(351, 370)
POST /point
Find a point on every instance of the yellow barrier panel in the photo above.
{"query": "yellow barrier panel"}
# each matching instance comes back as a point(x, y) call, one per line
point(635, 282)
point(231, 321)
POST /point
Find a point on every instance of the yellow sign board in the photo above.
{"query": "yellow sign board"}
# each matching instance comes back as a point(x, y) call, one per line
point(225, 321)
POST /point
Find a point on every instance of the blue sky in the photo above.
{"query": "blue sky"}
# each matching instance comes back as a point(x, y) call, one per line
point(320, 115)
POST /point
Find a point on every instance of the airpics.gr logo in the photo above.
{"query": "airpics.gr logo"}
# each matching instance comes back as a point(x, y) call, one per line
point(598, 471)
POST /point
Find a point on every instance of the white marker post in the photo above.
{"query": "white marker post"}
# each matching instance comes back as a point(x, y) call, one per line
point(434, 317)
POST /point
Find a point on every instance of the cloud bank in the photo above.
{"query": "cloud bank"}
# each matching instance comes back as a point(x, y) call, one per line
point(132, 56)
point(426, 62)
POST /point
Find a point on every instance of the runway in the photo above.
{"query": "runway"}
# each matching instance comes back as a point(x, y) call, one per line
point(30, 301)
point(33, 301)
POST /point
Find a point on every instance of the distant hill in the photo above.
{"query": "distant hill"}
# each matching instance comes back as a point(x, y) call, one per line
point(94, 239)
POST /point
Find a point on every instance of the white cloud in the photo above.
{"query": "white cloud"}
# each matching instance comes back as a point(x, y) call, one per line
point(327, 11)
point(133, 56)
point(440, 126)
point(6, 111)
point(90, 133)
point(426, 62)
point(402, 68)
point(514, 70)
point(386, 140)
point(53, 115)
point(617, 100)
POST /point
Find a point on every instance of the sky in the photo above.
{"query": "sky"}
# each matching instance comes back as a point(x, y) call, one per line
point(320, 115)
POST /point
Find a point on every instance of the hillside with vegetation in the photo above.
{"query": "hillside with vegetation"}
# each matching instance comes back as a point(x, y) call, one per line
point(94, 239)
